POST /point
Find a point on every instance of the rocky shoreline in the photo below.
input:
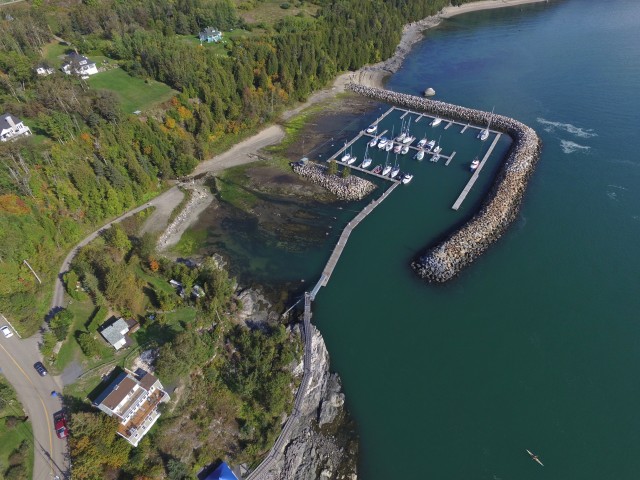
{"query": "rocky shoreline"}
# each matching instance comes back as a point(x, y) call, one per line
point(350, 188)
point(444, 261)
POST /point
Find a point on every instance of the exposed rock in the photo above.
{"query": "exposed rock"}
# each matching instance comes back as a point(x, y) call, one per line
point(321, 442)
point(350, 188)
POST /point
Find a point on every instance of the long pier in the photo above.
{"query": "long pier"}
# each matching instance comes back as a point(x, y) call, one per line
point(475, 175)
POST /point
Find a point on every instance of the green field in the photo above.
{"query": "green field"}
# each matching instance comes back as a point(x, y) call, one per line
point(54, 53)
point(13, 431)
point(270, 11)
point(134, 93)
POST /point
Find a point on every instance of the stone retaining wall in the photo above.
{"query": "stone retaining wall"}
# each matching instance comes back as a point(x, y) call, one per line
point(350, 188)
point(499, 209)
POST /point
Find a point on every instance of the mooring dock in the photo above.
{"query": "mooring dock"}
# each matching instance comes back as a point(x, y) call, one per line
point(475, 175)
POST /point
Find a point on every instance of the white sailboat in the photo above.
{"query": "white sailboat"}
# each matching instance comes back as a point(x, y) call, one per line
point(535, 458)
point(405, 149)
point(346, 155)
point(403, 134)
point(373, 142)
point(430, 145)
point(382, 142)
point(387, 168)
point(484, 133)
point(438, 148)
point(435, 122)
point(351, 160)
point(367, 159)
point(420, 154)
point(408, 139)
point(423, 141)
point(395, 170)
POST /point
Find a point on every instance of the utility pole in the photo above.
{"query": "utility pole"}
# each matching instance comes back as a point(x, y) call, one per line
point(33, 271)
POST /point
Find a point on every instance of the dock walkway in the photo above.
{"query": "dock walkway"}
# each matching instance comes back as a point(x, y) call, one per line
point(475, 175)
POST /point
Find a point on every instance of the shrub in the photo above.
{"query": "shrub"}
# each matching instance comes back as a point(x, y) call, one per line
point(98, 319)
point(60, 324)
point(285, 5)
point(89, 345)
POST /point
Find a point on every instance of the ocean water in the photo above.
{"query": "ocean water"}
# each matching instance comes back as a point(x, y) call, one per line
point(536, 345)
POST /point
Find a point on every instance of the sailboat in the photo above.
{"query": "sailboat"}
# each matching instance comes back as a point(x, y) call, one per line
point(405, 149)
point(484, 134)
point(395, 170)
point(367, 159)
point(420, 154)
point(403, 134)
point(387, 167)
point(535, 458)
point(438, 148)
point(351, 160)
point(389, 145)
point(373, 142)
point(382, 142)
point(430, 145)
point(423, 141)
point(346, 155)
point(408, 139)
point(436, 121)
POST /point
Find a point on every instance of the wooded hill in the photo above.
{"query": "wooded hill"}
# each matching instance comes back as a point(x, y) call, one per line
point(89, 161)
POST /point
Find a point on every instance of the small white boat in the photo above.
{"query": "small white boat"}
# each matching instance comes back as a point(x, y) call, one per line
point(352, 160)
point(366, 162)
point(345, 158)
point(435, 157)
point(386, 170)
point(484, 133)
point(397, 148)
point(408, 140)
point(382, 142)
point(388, 146)
point(420, 154)
point(422, 142)
point(394, 172)
point(405, 149)
point(435, 122)
point(400, 137)
point(438, 149)
point(373, 142)
point(430, 145)
point(474, 164)
point(406, 178)
point(372, 128)
point(535, 458)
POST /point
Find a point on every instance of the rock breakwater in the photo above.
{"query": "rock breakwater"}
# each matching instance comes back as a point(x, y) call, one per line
point(500, 207)
point(350, 188)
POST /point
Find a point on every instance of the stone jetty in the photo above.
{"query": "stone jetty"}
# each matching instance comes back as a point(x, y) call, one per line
point(350, 188)
point(500, 207)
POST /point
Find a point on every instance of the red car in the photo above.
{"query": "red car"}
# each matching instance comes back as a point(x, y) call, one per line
point(60, 422)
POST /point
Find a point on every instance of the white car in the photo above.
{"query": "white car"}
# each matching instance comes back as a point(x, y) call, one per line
point(7, 333)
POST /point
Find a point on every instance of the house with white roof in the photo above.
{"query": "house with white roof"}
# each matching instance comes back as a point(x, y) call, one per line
point(12, 127)
point(79, 65)
point(210, 35)
point(133, 399)
point(115, 333)
point(44, 70)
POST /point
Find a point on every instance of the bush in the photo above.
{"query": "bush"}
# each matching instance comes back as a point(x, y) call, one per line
point(49, 341)
point(89, 345)
point(285, 5)
point(60, 324)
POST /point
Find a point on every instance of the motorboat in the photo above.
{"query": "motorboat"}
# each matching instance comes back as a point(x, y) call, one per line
point(422, 142)
point(435, 122)
point(408, 140)
point(420, 154)
point(388, 146)
point(430, 145)
point(373, 142)
point(372, 128)
point(382, 142)
point(405, 149)
point(377, 169)
point(397, 148)
point(435, 157)
point(406, 178)
point(475, 164)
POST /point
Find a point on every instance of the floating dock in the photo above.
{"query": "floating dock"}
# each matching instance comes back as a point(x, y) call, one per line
point(475, 175)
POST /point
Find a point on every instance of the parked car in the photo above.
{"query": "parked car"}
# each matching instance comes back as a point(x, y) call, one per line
point(6, 331)
point(60, 422)
point(40, 368)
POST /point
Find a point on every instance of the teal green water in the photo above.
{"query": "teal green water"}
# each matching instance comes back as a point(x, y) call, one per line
point(536, 345)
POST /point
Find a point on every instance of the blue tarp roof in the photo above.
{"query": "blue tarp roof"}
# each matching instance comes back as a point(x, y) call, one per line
point(223, 472)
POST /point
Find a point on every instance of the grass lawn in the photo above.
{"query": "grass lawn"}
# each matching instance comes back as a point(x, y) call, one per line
point(11, 438)
point(134, 93)
point(70, 350)
point(54, 53)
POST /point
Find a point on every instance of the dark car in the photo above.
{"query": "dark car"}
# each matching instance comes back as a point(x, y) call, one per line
point(40, 368)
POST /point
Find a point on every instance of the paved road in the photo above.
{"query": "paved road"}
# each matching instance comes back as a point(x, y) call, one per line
point(34, 392)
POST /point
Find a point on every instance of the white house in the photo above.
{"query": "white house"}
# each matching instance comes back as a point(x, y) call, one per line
point(115, 332)
point(79, 65)
point(133, 400)
point(12, 127)
point(210, 34)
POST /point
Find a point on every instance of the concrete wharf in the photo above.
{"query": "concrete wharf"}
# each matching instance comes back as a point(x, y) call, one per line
point(449, 159)
point(383, 115)
point(465, 127)
point(449, 124)
point(475, 175)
